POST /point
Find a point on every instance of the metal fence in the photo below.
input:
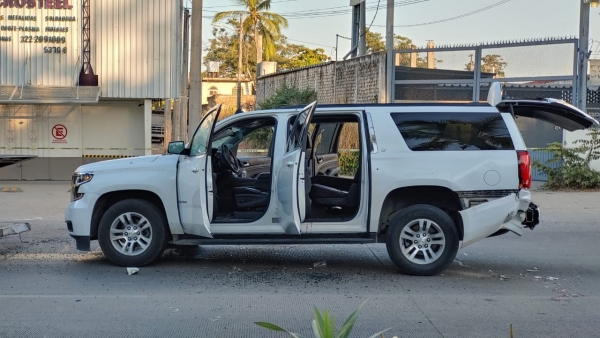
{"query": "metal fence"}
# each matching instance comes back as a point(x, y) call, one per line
point(464, 73)
point(543, 156)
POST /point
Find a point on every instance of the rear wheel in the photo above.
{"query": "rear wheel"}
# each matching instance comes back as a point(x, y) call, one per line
point(132, 233)
point(422, 240)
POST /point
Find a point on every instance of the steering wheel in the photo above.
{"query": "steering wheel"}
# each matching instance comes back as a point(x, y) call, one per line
point(228, 159)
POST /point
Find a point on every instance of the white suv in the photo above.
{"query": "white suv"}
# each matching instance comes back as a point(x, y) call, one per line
point(428, 178)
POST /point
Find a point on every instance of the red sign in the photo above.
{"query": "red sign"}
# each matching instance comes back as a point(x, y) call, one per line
point(59, 131)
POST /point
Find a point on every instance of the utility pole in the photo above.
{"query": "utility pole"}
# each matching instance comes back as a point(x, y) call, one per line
point(167, 125)
point(389, 47)
point(362, 41)
point(239, 76)
point(195, 92)
point(183, 83)
point(582, 55)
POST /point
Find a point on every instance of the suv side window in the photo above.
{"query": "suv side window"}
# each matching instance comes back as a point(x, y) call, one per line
point(201, 137)
point(453, 131)
point(325, 138)
point(257, 143)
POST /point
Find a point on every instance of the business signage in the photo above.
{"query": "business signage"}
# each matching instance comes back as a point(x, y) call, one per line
point(39, 40)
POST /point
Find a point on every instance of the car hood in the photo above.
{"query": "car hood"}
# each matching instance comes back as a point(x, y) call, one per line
point(131, 163)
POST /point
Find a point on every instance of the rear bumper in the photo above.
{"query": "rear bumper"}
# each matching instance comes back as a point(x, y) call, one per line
point(532, 216)
point(512, 213)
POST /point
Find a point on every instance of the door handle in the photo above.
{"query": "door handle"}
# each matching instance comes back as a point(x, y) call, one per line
point(290, 163)
point(195, 170)
point(319, 159)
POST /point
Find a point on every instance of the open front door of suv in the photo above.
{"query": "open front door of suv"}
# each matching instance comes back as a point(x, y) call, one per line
point(291, 191)
point(195, 181)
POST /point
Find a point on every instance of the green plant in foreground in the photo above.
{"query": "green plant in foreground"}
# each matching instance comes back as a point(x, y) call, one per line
point(323, 325)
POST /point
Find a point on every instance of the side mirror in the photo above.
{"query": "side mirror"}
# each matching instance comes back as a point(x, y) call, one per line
point(176, 147)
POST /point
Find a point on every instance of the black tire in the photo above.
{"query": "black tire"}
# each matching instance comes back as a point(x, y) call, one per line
point(157, 226)
point(447, 252)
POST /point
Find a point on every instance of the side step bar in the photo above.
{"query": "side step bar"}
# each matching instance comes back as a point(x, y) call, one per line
point(275, 240)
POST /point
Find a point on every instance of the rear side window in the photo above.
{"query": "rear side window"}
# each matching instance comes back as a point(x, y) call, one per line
point(453, 131)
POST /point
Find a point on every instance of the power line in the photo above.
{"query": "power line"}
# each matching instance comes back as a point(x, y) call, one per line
point(454, 17)
point(334, 11)
point(273, 2)
point(318, 13)
point(374, 16)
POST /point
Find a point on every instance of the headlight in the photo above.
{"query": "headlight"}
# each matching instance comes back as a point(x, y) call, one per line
point(77, 180)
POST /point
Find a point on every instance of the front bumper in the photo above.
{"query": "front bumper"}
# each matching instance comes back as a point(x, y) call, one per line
point(78, 217)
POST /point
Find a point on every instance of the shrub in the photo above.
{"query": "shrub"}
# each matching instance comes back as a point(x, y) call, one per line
point(323, 326)
point(289, 96)
point(348, 161)
point(575, 171)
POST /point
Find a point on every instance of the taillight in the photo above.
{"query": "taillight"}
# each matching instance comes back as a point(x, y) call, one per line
point(524, 169)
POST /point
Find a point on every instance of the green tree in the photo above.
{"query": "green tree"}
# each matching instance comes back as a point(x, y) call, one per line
point(375, 42)
point(223, 47)
point(257, 21)
point(491, 63)
point(306, 57)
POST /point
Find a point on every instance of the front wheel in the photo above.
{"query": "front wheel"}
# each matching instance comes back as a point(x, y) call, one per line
point(422, 240)
point(132, 233)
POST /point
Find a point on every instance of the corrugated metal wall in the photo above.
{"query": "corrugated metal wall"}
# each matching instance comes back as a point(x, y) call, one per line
point(23, 61)
point(135, 47)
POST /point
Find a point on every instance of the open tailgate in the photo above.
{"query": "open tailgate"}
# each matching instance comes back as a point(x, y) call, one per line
point(556, 112)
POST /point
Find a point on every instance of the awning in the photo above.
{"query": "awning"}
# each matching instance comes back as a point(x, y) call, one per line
point(48, 94)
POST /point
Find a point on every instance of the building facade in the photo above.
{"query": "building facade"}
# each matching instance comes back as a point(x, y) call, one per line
point(77, 79)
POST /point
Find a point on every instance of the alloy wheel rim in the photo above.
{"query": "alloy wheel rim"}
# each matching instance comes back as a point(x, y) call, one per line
point(131, 234)
point(422, 241)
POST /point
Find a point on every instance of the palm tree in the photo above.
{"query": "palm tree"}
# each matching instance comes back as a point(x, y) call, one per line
point(259, 21)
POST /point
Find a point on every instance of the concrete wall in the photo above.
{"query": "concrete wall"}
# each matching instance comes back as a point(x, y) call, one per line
point(110, 129)
point(113, 128)
point(358, 80)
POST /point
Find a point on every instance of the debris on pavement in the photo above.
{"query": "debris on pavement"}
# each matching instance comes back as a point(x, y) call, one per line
point(552, 278)
point(321, 264)
point(502, 277)
point(535, 269)
point(132, 271)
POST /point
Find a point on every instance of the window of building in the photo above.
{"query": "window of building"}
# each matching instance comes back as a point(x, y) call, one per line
point(234, 90)
point(453, 131)
point(213, 91)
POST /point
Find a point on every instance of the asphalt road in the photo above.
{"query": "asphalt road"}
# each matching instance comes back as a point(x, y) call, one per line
point(48, 289)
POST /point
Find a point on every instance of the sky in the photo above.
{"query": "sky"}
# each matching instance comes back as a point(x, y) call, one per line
point(504, 20)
